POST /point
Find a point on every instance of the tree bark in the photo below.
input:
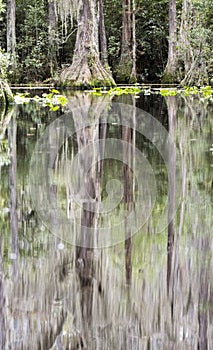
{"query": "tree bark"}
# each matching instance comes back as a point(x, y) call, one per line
point(11, 27)
point(86, 68)
point(133, 74)
point(171, 66)
point(103, 41)
point(124, 68)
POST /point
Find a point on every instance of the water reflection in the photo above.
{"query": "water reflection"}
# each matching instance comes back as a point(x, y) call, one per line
point(12, 139)
point(154, 291)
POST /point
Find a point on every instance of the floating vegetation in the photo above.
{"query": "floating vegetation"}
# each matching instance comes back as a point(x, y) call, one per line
point(117, 91)
point(203, 91)
point(168, 92)
point(53, 99)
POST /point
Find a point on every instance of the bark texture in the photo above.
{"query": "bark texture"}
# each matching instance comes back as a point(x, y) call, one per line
point(124, 68)
point(11, 26)
point(171, 66)
point(103, 41)
point(133, 74)
point(86, 68)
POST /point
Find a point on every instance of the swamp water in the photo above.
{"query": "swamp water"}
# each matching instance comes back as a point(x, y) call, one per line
point(148, 283)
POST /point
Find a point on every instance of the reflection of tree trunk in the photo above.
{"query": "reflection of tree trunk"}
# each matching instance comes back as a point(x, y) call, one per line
point(2, 303)
point(13, 194)
point(128, 197)
point(203, 311)
point(172, 115)
point(90, 179)
point(203, 302)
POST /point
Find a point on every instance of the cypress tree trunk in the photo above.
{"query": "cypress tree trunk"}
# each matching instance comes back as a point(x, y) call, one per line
point(103, 42)
point(86, 68)
point(170, 72)
point(124, 68)
point(133, 74)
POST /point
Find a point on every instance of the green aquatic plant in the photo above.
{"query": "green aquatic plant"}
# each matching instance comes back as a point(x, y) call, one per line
point(117, 91)
point(52, 99)
point(203, 91)
point(190, 90)
point(168, 92)
point(206, 91)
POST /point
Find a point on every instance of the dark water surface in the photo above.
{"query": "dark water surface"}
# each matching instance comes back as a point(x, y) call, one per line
point(153, 290)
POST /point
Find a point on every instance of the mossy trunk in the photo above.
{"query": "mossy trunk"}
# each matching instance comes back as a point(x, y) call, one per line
point(87, 69)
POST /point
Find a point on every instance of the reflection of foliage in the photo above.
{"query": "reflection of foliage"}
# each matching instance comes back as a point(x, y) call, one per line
point(4, 152)
point(3, 208)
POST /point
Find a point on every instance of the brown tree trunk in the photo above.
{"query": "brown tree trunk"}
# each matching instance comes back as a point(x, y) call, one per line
point(86, 68)
point(133, 74)
point(171, 67)
point(103, 41)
